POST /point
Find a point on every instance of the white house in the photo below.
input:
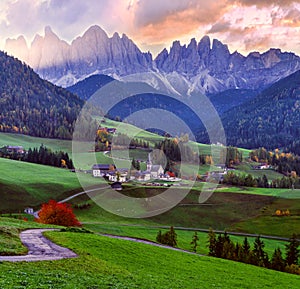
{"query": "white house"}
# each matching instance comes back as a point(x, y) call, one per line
point(143, 176)
point(29, 211)
point(119, 175)
point(100, 170)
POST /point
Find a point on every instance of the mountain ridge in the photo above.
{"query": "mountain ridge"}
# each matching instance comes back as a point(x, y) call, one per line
point(33, 106)
point(205, 67)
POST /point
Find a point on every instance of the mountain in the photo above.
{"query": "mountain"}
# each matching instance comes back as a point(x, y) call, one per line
point(87, 87)
point(205, 67)
point(270, 120)
point(64, 64)
point(226, 100)
point(31, 105)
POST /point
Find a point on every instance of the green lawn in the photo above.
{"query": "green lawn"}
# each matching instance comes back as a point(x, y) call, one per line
point(109, 263)
point(246, 168)
point(10, 228)
point(31, 142)
point(24, 184)
point(184, 237)
point(281, 193)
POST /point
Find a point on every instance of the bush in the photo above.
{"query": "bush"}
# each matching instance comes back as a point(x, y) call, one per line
point(57, 214)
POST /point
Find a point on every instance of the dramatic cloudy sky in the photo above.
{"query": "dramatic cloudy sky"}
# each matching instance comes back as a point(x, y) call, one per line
point(244, 25)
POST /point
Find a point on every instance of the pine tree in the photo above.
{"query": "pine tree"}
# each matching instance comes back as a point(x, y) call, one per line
point(172, 237)
point(246, 251)
point(159, 237)
point(277, 262)
point(292, 251)
point(194, 242)
point(219, 246)
point(260, 257)
point(212, 241)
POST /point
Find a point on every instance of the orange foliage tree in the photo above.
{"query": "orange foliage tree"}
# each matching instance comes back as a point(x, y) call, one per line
point(57, 214)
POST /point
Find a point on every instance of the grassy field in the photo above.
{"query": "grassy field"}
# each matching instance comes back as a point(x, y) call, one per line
point(184, 237)
point(10, 229)
point(223, 211)
point(25, 184)
point(111, 263)
point(31, 142)
point(281, 193)
point(246, 168)
point(248, 209)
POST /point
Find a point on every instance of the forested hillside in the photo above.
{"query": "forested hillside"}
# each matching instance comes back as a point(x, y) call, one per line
point(87, 87)
point(33, 106)
point(269, 120)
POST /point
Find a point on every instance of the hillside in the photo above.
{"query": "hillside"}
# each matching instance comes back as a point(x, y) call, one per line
point(87, 87)
point(30, 105)
point(269, 120)
point(226, 100)
point(112, 263)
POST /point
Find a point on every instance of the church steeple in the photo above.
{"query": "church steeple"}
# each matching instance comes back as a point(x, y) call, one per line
point(149, 163)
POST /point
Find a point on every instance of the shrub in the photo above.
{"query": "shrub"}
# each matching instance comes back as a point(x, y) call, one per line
point(57, 214)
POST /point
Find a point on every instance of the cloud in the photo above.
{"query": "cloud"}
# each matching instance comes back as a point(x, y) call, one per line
point(159, 21)
point(154, 24)
point(289, 17)
point(264, 3)
point(220, 27)
point(69, 17)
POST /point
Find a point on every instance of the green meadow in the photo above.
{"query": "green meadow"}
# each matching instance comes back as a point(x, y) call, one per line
point(111, 263)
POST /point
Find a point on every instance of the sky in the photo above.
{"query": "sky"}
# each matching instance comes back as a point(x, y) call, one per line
point(244, 25)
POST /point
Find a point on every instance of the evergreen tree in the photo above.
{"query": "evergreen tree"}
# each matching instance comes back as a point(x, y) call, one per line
point(212, 243)
point(194, 242)
point(246, 251)
point(260, 257)
point(219, 246)
point(172, 237)
point(292, 251)
point(277, 262)
point(159, 237)
point(238, 252)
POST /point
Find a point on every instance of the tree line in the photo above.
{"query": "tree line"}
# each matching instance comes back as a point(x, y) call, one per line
point(284, 163)
point(248, 180)
point(43, 156)
point(222, 247)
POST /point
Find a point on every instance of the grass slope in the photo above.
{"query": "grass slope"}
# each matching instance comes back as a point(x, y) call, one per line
point(25, 184)
point(111, 263)
point(10, 243)
point(31, 142)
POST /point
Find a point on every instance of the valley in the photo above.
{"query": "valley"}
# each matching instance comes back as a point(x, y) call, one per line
point(162, 156)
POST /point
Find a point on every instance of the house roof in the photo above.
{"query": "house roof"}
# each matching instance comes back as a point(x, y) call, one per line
point(116, 185)
point(102, 167)
point(14, 147)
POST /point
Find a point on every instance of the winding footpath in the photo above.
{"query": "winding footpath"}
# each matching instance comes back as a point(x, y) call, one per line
point(39, 248)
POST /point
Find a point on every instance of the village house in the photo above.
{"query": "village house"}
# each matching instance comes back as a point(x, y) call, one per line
point(100, 170)
point(117, 186)
point(29, 211)
point(263, 166)
point(118, 175)
point(142, 176)
point(14, 149)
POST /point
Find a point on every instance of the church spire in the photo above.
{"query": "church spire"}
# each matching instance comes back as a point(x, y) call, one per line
point(149, 162)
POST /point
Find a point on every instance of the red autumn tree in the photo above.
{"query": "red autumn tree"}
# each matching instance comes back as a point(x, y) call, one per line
point(57, 214)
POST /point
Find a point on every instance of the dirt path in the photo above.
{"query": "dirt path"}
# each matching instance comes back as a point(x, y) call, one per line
point(148, 243)
point(39, 248)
